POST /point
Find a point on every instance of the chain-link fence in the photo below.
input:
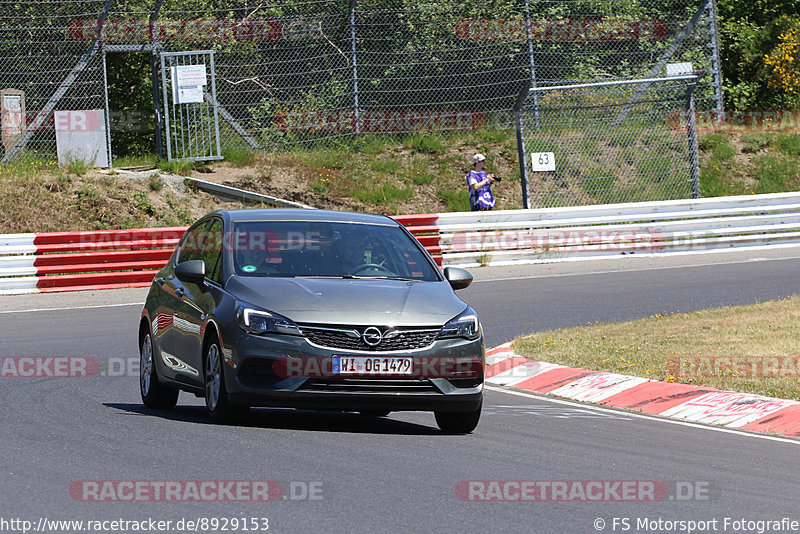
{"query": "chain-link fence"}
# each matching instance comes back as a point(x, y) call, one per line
point(317, 71)
point(608, 142)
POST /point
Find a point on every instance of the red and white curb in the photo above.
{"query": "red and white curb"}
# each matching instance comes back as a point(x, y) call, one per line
point(679, 401)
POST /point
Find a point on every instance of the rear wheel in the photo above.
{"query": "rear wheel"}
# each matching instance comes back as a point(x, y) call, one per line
point(154, 393)
point(219, 407)
point(458, 422)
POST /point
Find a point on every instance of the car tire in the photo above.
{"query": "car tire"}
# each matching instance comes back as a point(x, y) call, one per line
point(375, 413)
point(218, 405)
point(458, 422)
point(155, 394)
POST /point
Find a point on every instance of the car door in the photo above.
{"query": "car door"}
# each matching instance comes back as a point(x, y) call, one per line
point(177, 326)
point(197, 302)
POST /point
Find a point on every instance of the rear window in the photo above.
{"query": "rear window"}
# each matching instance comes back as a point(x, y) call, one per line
point(327, 249)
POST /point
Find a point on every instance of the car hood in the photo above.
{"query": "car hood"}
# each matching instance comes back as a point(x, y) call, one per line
point(352, 302)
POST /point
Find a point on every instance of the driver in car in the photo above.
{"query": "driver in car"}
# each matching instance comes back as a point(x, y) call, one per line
point(360, 254)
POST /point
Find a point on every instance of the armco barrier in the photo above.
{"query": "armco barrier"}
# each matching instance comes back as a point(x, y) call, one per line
point(73, 261)
point(610, 231)
point(70, 261)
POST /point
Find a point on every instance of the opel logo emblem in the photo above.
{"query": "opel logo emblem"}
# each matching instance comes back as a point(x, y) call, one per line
point(372, 336)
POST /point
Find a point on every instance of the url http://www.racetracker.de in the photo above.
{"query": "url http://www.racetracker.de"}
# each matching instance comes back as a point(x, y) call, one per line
point(149, 524)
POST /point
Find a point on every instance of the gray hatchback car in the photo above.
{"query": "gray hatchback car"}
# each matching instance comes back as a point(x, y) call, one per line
point(312, 310)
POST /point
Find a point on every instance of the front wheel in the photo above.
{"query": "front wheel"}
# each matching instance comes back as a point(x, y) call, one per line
point(458, 422)
point(217, 404)
point(154, 393)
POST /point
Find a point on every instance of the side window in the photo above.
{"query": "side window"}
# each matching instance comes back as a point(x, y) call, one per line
point(191, 243)
point(212, 251)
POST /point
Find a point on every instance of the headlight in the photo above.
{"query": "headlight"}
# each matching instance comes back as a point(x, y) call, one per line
point(257, 321)
point(465, 325)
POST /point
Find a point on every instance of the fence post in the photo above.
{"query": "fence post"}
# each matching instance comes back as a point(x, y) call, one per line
point(354, 65)
point(107, 108)
point(523, 166)
point(691, 132)
point(159, 117)
point(532, 62)
point(716, 67)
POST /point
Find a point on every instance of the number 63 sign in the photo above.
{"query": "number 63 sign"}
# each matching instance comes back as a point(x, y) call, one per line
point(543, 161)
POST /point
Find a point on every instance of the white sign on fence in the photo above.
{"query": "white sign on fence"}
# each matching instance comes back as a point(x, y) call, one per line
point(543, 161)
point(187, 83)
point(680, 69)
point(81, 136)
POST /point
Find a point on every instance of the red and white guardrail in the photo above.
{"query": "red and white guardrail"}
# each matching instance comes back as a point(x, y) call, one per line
point(70, 261)
point(469, 239)
point(74, 261)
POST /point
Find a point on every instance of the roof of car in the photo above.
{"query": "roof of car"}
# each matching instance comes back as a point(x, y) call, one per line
point(281, 214)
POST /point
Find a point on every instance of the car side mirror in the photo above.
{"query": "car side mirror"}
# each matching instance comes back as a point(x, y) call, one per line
point(193, 271)
point(458, 278)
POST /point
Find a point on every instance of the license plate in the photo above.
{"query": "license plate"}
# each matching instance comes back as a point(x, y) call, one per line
point(368, 365)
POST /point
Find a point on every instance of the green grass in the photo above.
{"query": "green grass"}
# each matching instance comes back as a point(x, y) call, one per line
point(373, 144)
point(88, 197)
point(383, 195)
point(454, 200)
point(788, 144)
point(752, 143)
point(182, 168)
point(143, 203)
point(135, 161)
point(718, 145)
point(332, 158)
point(657, 347)
point(155, 182)
point(425, 143)
point(775, 173)
point(240, 157)
point(78, 166)
point(386, 166)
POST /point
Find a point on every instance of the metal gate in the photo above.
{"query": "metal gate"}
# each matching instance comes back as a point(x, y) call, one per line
point(190, 106)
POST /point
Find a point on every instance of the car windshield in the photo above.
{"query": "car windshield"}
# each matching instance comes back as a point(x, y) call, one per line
point(327, 249)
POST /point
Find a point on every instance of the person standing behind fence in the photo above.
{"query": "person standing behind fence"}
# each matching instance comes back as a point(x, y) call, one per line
point(480, 185)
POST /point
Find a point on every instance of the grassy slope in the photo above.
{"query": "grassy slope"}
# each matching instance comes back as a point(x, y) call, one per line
point(424, 173)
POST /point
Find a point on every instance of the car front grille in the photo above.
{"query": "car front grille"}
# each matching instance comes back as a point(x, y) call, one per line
point(365, 385)
point(351, 338)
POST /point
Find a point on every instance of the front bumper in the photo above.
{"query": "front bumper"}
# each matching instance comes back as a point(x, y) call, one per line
point(264, 371)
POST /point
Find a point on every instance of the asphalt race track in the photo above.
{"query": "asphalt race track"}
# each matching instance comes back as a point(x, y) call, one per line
point(349, 473)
